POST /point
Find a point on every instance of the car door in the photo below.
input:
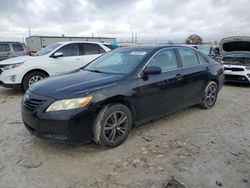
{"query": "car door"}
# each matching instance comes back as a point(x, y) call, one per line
point(90, 52)
point(70, 60)
point(4, 51)
point(195, 75)
point(162, 93)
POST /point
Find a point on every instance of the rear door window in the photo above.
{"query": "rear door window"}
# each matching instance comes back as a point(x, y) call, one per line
point(17, 47)
point(4, 48)
point(91, 49)
point(188, 57)
point(70, 50)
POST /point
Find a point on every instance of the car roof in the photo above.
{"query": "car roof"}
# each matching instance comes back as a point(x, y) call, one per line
point(156, 47)
point(72, 42)
point(9, 42)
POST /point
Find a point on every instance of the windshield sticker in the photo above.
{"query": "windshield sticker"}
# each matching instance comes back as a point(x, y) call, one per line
point(137, 53)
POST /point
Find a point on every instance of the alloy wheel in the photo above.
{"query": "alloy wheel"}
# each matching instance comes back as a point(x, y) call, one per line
point(211, 95)
point(116, 126)
point(34, 79)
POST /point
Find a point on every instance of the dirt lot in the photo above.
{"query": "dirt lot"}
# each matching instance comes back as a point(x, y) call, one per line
point(200, 148)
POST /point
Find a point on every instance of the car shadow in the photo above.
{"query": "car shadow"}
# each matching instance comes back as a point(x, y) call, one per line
point(91, 147)
point(237, 84)
point(4, 92)
point(51, 146)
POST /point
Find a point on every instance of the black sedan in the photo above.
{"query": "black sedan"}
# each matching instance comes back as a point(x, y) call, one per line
point(121, 89)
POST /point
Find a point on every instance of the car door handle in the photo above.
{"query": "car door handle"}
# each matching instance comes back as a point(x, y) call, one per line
point(78, 59)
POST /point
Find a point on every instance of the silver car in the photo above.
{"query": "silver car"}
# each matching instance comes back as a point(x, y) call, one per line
point(12, 49)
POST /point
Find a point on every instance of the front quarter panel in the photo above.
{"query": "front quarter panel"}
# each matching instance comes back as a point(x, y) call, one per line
point(123, 92)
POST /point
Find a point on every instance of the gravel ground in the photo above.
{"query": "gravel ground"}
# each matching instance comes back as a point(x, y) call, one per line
point(199, 148)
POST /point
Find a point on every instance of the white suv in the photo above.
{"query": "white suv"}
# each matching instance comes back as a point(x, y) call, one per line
point(58, 58)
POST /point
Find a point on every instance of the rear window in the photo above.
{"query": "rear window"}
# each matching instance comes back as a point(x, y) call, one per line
point(17, 47)
point(4, 48)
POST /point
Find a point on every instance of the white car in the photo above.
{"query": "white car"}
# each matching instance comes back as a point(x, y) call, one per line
point(237, 71)
point(59, 58)
point(235, 53)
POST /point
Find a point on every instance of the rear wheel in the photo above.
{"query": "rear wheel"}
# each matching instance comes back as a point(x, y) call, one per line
point(32, 78)
point(210, 95)
point(112, 125)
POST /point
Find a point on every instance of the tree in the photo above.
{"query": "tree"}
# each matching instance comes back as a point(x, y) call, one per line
point(194, 39)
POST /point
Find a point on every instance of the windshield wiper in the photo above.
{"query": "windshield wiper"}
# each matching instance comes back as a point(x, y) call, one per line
point(98, 71)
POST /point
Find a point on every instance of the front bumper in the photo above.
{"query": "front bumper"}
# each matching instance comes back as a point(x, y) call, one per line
point(236, 73)
point(11, 78)
point(71, 126)
point(15, 86)
point(237, 78)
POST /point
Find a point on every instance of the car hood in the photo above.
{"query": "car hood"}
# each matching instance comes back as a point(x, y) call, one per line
point(14, 60)
point(76, 84)
point(234, 44)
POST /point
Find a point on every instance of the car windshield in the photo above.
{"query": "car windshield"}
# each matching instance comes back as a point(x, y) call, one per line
point(121, 61)
point(47, 49)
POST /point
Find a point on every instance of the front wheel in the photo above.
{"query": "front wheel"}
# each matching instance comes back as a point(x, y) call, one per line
point(112, 125)
point(32, 78)
point(210, 95)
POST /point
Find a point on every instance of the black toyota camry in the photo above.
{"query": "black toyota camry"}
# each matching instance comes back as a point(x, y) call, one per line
point(119, 90)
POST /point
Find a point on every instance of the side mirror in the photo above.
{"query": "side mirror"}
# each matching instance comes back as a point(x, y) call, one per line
point(152, 70)
point(57, 54)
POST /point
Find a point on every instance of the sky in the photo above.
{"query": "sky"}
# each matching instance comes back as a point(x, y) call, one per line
point(152, 20)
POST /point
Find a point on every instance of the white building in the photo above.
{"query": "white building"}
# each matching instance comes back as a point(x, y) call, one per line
point(35, 43)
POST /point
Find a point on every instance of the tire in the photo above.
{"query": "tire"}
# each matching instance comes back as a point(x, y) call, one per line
point(108, 131)
point(36, 76)
point(210, 95)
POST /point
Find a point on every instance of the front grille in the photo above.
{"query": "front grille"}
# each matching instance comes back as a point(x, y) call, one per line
point(236, 78)
point(234, 69)
point(31, 105)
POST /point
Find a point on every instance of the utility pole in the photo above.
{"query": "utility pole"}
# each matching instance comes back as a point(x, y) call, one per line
point(29, 32)
point(132, 37)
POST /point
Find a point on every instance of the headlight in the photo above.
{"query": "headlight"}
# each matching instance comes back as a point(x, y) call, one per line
point(12, 66)
point(248, 67)
point(68, 104)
